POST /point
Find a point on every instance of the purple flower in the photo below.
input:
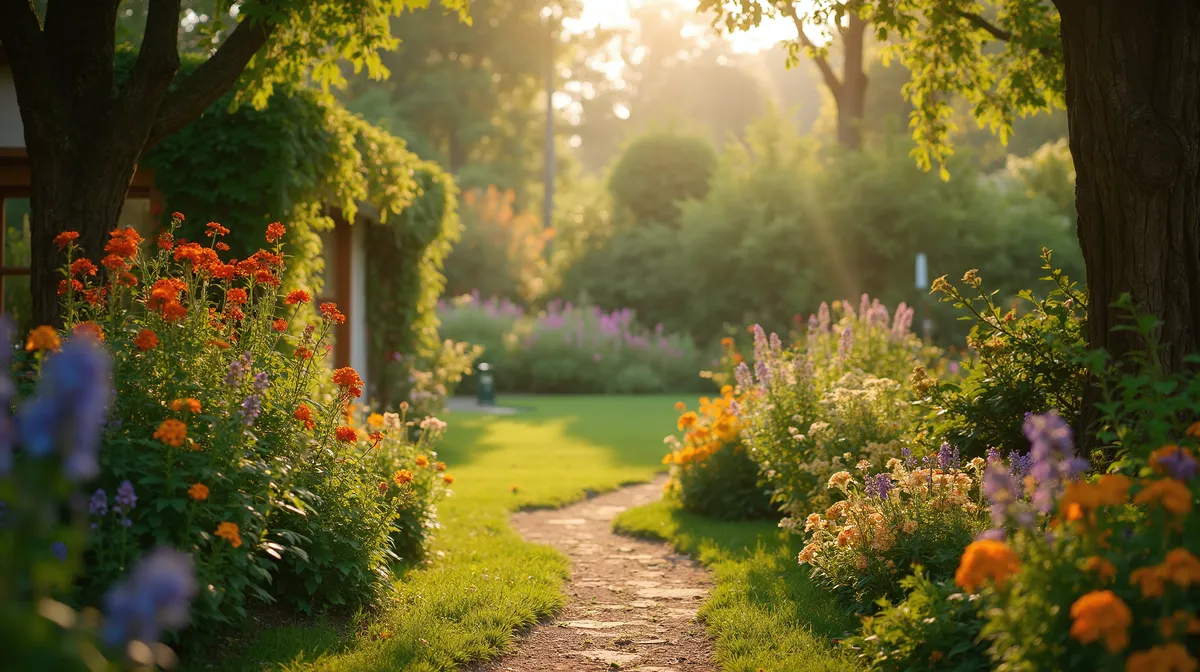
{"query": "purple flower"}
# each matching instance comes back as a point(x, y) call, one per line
point(1178, 465)
point(59, 549)
point(98, 504)
point(823, 317)
point(845, 343)
point(761, 346)
point(864, 305)
point(948, 458)
point(776, 344)
point(238, 369)
point(907, 456)
point(993, 455)
point(879, 486)
point(155, 596)
point(260, 382)
point(743, 377)
point(996, 534)
point(1001, 490)
point(126, 497)
point(596, 357)
point(1053, 455)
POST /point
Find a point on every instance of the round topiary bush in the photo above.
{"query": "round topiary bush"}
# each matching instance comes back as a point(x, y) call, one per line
point(658, 171)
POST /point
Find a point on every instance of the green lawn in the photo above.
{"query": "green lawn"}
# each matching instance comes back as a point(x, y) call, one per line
point(483, 581)
point(764, 613)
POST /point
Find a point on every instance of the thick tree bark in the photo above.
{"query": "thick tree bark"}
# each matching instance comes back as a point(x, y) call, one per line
point(1132, 75)
point(1133, 107)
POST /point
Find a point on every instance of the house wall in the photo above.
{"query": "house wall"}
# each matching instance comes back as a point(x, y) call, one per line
point(357, 317)
point(12, 131)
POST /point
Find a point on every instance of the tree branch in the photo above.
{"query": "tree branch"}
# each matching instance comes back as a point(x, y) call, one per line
point(203, 87)
point(157, 62)
point(24, 44)
point(980, 22)
point(831, 80)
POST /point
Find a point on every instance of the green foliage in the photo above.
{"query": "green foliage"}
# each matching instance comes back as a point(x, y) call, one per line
point(426, 380)
point(657, 172)
point(502, 251)
point(1024, 364)
point(935, 627)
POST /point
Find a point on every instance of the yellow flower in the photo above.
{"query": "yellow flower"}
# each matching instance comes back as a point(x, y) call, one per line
point(448, 479)
point(687, 420)
point(403, 477)
point(986, 559)
point(422, 461)
point(1170, 657)
point(42, 338)
point(171, 432)
point(1168, 493)
point(375, 420)
point(1101, 616)
point(230, 533)
point(839, 480)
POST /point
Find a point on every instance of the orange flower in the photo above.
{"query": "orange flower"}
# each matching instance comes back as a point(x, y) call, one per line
point(128, 279)
point(88, 330)
point(171, 432)
point(297, 296)
point(174, 311)
point(123, 242)
point(383, 487)
point(114, 263)
point(231, 533)
point(237, 296)
point(1168, 493)
point(349, 380)
point(986, 559)
point(42, 338)
point(82, 267)
point(64, 286)
point(1169, 657)
point(166, 241)
point(1193, 429)
point(302, 353)
point(190, 404)
point(65, 238)
point(146, 340)
point(1151, 580)
point(177, 216)
point(439, 466)
point(1102, 568)
point(223, 271)
point(1101, 616)
point(331, 313)
point(403, 477)
point(422, 461)
point(680, 406)
point(1181, 622)
point(95, 296)
point(1181, 568)
point(727, 342)
point(279, 324)
point(222, 247)
point(346, 434)
point(215, 229)
point(448, 479)
point(304, 415)
point(219, 343)
point(198, 492)
point(687, 420)
point(275, 231)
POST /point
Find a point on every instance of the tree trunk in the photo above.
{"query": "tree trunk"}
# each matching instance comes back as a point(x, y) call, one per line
point(1133, 109)
point(852, 94)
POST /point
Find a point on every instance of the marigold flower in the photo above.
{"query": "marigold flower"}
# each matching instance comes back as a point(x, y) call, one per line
point(166, 241)
point(237, 296)
point(1181, 568)
point(346, 434)
point(275, 231)
point(128, 279)
point(1101, 616)
point(304, 414)
point(1151, 581)
point(215, 229)
point(190, 404)
point(297, 296)
point(88, 330)
point(114, 263)
point(83, 267)
point(171, 432)
point(123, 242)
point(65, 238)
point(727, 342)
point(403, 477)
point(986, 559)
point(687, 420)
point(439, 466)
point(680, 406)
point(230, 532)
point(146, 340)
point(449, 480)
point(330, 312)
point(1179, 623)
point(95, 295)
point(349, 380)
point(42, 338)
point(174, 311)
point(198, 492)
point(422, 461)
point(1113, 489)
point(222, 247)
point(375, 420)
point(1101, 567)
point(1169, 657)
point(279, 324)
point(1168, 493)
point(65, 286)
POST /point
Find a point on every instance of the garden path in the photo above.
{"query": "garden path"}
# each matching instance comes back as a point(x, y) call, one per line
point(631, 603)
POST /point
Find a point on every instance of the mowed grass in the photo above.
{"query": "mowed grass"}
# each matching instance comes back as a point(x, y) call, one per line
point(764, 613)
point(482, 581)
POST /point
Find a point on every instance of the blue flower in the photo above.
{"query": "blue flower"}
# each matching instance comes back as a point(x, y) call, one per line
point(126, 497)
point(59, 549)
point(947, 458)
point(156, 596)
point(98, 504)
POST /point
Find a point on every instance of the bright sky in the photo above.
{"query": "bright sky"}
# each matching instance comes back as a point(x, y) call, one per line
point(614, 13)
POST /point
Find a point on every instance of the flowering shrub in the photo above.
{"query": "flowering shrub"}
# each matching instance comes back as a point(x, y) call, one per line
point(880, 529)
point(830, 401)
point(430, 378)
point(568, 348)
point(47, 451)
point(711, 472)
point(227, 438)
point(1025, 363)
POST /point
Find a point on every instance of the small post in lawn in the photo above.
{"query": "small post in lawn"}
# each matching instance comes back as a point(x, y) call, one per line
point(923, 285)
point(487, 387)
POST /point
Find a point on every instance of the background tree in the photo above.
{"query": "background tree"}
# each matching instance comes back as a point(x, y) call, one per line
point(86, 127)
point(1127, 75)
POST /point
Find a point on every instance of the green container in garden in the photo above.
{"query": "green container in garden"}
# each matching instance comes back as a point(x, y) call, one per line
point(486, 392)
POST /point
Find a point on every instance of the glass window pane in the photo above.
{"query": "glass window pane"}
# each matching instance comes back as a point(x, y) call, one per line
point(136, 213)
point(18, 302)
point(16, 235)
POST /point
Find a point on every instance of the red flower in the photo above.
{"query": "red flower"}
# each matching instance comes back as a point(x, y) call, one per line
point(166, 241)
point(222, 247)
point(279, 324)
point(73, 285)
point(82, 267)
point(349, 380)
point(297, 296)
point(123, 242)
point(303, 353)
point(113, 263)
point(146, 340)
point(177, 216)
point(236, 313)
point(65, 238)
point(223, 271)
point(128, 279)
point(88, 330)
point(95, 296)
point(215, 229)
point(237, 296)
point(331, 313)
point(304, 415)
point(275, 231)
point(346, 434)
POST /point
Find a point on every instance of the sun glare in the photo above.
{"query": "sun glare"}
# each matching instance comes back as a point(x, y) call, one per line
point(618, 14)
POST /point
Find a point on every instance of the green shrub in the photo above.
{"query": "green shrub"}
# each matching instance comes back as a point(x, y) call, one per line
point(935, 627)
point(502, 251)
point(657, 172)
point(711, 472)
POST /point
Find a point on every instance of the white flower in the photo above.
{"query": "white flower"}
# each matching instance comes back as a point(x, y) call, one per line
point(391, 421)
point(433, 424)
